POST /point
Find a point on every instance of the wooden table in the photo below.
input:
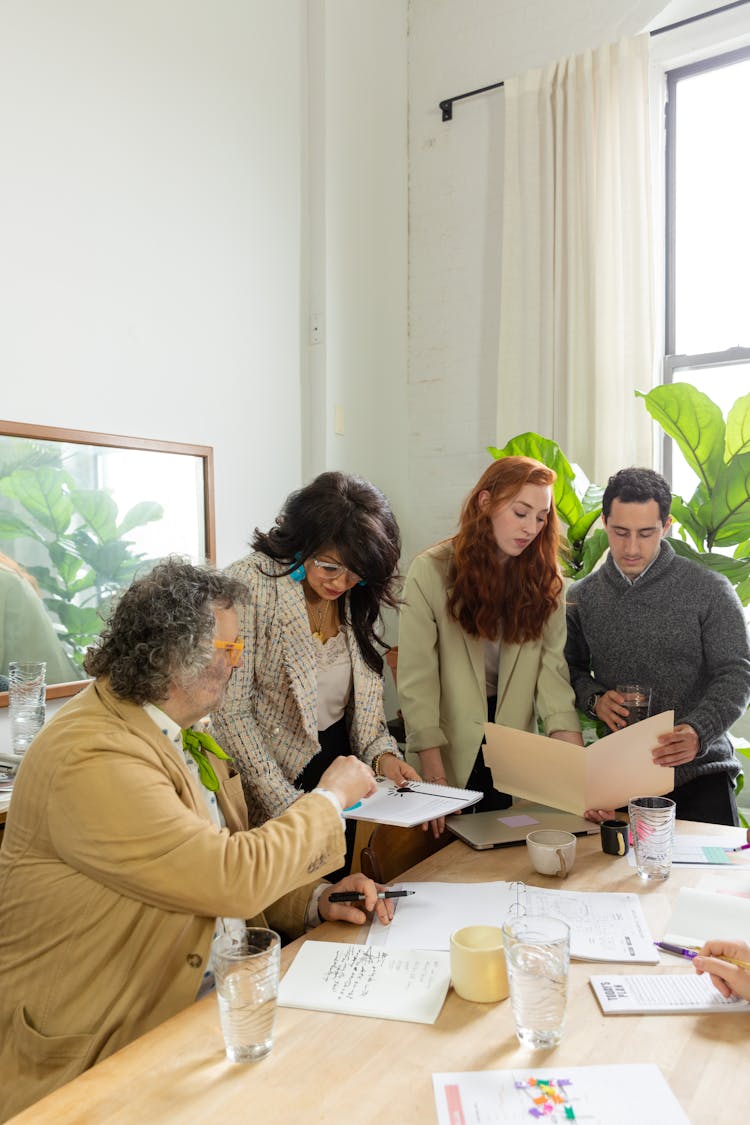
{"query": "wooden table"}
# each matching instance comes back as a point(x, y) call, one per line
point(347, 1069)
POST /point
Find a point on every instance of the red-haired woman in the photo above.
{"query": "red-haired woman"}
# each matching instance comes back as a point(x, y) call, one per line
point(483, 630)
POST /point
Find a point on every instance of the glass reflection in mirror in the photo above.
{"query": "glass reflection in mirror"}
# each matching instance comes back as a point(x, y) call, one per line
point(80, 515)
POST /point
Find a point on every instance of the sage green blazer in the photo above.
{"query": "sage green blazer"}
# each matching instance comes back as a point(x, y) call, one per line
point(441, 674)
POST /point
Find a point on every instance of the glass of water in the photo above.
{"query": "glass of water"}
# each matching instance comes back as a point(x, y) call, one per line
point(537, 951)
point(246, 971)
point(27, 696)
point(637, 699)
point(652, 826)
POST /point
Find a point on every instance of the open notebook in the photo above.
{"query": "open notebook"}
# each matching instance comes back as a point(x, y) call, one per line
point(410, 804)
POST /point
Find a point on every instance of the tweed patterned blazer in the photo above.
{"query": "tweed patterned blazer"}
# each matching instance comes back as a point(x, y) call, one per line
point(269, 719)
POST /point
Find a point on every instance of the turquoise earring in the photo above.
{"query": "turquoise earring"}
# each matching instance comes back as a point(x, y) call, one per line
point(299, 573)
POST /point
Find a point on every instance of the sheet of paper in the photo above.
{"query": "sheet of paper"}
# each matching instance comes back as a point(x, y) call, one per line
point(598, 1095)
point(662, 993)
point(357, 980)
point(603, 926)
point(708, 851)
point(604, 775)
point(699, 916)
point(414, 803)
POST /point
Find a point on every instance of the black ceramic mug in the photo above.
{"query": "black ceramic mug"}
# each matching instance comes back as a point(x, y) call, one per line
point(615, 836)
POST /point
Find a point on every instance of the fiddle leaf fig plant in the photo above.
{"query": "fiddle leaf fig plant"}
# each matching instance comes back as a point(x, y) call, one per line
point(578, 502)
point(718, 452)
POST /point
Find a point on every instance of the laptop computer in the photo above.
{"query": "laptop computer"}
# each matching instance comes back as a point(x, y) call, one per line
point(502, 828)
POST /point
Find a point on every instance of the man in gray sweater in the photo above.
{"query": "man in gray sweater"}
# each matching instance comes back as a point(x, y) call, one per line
point(652, 617)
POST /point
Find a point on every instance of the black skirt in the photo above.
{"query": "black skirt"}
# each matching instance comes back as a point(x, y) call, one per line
point(334, 743)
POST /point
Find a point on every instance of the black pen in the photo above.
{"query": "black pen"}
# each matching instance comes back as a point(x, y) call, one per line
point(357, 896)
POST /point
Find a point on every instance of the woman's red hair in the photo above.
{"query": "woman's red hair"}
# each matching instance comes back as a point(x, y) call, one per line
point(515, 599)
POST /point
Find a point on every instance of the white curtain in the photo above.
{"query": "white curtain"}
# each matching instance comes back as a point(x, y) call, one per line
point(577, 310)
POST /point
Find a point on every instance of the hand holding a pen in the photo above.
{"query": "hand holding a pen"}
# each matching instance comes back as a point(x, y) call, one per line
point(354, 912)
point(719, 959)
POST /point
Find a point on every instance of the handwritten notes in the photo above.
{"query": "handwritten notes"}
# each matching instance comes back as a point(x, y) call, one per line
point(359, 980)
point(598, 1095)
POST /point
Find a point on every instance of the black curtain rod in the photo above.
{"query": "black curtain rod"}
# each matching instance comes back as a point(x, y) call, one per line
point(447, 104)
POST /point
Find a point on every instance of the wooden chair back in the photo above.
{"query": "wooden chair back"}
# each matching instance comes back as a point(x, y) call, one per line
point(390, 850)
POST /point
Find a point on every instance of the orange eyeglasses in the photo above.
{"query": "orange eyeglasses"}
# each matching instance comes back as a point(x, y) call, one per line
point(233, 649)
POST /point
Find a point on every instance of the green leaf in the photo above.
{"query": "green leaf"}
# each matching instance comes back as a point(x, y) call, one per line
point(727, 513)
point(743, 591)
point(13, 527)
point(696, 424)
point(592, 498)
point(48, 580)
point(689, 520)
point(41, 493)
point(742, 549)
point(78, 620)
point(98, 510)
point(734, 569)
point(738, 428)
point(147, 511)
point(578, 532)
point(569, 507)
point(593, 549)
point(67, 563)
point(25, 453)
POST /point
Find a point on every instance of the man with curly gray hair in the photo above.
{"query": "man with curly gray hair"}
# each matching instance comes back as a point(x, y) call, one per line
point(126, 843)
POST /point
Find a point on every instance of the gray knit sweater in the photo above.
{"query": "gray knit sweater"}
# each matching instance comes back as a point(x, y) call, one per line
point(679, 628)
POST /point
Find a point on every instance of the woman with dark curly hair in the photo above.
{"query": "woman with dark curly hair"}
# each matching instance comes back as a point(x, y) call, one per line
point(310, 688)
point(483, 630)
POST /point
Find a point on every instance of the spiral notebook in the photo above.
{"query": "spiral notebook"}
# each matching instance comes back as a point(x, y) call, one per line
point(410, 804)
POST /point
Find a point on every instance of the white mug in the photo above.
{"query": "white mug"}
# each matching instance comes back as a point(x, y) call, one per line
point(552, 852)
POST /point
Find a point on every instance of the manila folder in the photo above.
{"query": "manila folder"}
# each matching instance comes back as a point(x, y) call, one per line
point(604, 775)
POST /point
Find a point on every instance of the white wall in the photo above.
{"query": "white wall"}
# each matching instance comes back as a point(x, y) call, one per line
point(358, 234)
point(455, 200)
point(150, 176)
point(160, 232)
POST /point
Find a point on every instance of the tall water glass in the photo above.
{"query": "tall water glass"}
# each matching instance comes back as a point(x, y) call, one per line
point(537, 951)
point(652, 827)
point(246, 971)
point(27, 691)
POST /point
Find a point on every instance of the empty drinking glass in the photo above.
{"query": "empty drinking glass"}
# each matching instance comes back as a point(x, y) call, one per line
point(27, 692)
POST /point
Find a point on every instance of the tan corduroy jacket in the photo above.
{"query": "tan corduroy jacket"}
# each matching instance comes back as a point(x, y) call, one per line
point(111, 878)
point(441, 674)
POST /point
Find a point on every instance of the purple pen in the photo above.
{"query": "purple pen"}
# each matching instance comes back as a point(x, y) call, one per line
point(679, 950)
point(742, 848)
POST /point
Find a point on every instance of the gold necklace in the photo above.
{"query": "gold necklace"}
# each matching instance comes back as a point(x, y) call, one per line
point(320, 618)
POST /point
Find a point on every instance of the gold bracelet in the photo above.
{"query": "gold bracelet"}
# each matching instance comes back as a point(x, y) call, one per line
point(377, 760)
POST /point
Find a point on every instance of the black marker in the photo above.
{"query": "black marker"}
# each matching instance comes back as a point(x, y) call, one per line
point(357, 896)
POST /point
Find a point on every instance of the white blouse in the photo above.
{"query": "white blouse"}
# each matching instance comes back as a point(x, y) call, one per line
point(334, 668)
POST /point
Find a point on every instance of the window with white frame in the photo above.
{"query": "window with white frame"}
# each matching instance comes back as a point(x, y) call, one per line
point(708, 236)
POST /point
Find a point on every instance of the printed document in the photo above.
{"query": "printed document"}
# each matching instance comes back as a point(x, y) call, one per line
point(662, 993)
point(599, 1095)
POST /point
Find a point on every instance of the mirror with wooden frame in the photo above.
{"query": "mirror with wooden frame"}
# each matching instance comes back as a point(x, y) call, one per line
point(80, 515)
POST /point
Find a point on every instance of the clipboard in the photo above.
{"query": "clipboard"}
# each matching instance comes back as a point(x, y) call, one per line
point(604, 775)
